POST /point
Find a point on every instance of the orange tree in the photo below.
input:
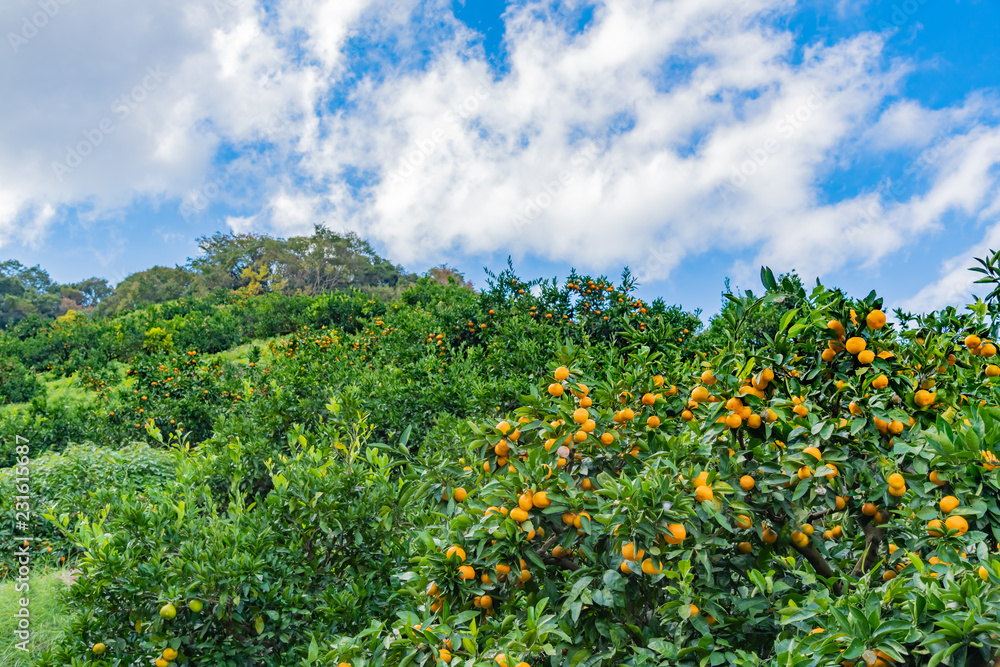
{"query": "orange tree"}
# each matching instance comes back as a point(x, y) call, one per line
point(827, 498)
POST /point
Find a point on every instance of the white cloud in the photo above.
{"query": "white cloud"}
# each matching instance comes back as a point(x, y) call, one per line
point(955, 285)
point(665, 130)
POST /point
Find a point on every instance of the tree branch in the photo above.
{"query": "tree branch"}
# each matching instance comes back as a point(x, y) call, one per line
point(873, 540)
point(820, 564)
point(564, 563)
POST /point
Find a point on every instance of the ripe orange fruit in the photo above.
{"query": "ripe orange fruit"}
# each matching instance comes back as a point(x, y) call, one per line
point(828, 355)
point(580, 415)
point(799, 538)
point(747, 482)
point(743, 521)
point(703, 493)
point(455, 550)
point(708, 378)
point(841, 503)
point(460, 494)
point(805, 472)
point(699, 394)
point(445, 655)
point(524, 501)
point(987, 350)
point(541, 500)
point(855, 345)
point(561, 373)
point(836, 326)
point(814, 452)
point(992, 371)
point(519, 515)
point(693, 609)
point(895, 479)
point(948, 503)
point(734, 421)
point(972, 341)
point(648, 399)
point(923, 398)
point(607, 438)
point(881, 382)
point(687, 415)
point(888, 575)
point(653, 421)
point(984, 574)
point(675, 534)
point(935, 477)
point(957, 523)
point(753, 421)
point(744, 547)
point(866, 357)
point(768, 535)
point(935, 528)
point(556, 389)
point(649, 567)
point(869, 509)
point(875, 319)
point(169, 654)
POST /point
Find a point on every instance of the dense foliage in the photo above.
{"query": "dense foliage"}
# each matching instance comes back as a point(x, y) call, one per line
point(540, 473)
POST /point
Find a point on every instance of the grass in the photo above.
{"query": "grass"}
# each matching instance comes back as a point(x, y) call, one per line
point(48, 616)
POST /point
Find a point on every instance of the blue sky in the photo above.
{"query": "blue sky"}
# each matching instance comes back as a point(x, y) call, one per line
point(691, 140)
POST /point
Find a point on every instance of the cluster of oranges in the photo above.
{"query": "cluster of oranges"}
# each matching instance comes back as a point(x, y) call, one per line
point(556, 444)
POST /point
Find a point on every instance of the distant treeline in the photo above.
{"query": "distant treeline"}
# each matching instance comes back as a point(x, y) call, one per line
point(303, 265)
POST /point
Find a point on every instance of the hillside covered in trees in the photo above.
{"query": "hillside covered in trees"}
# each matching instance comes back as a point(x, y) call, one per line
point(291, 452)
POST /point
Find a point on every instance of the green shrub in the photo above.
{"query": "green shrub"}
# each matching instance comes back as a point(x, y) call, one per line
point(312, 560)
point(78, 482)
point(17, 383)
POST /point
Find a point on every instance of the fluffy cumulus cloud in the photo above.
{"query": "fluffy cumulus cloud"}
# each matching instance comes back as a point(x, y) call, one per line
point(661, 130)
